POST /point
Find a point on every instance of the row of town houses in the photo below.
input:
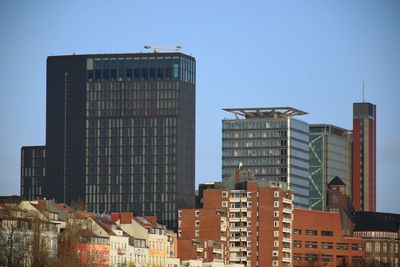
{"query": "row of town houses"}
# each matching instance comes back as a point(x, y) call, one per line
point(117, 239)
point(237, 222)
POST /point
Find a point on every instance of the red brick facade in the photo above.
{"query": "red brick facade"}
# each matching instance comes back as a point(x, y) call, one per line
point(318, 241)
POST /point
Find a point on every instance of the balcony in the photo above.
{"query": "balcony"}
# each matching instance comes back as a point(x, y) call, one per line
point(234, 209)
point(199, 249)
point(234, 199)
point(287, 220)
point(217, 250)
point(234, 239)
point(243, 229)
point(287, 200)
point(236, 259)
point(286, 210)
point(286, 259)
point(234, 219)
point(286, 230)
point(223, 238)
point(234, 230)
point(243, 219)
point(288, 250)
point(243, 199)
point(289, 240)
point(234, 249)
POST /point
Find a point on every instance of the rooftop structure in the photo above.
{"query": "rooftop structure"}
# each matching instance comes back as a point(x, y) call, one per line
point(271, 112)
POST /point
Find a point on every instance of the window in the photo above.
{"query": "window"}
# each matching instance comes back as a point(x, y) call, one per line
point(326, 233)
point(196, 233)
point(275, 253)
point(310, 244)
point(368, 247)
point(276, 194)
point(224, 194)
point(311, 257)
point(356, 247)
point(179, 233)
point(357, 260)
point(276, 223)
point(327, 258)
point(275, 263)
point(297, 243)
point(224, 204)
point(342, 246)
point(179, 223)
point(197, 213)
point(179, 213)
point(327, 245)
point(297, 231)
point(311, 232)
point(197, 223)
point(297, 256)
point(377, 247)
point(276, 214)
point(276, 233)
point(276, 204)
point(384, 247)
point(276, 243)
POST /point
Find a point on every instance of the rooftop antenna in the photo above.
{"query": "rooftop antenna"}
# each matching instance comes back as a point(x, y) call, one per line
point(363, 99)
point(158, 48)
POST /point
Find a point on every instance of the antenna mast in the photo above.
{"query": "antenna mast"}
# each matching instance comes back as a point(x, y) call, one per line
point(363, 99)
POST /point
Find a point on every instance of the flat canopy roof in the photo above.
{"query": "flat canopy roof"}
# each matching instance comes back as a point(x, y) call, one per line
point(266, 112)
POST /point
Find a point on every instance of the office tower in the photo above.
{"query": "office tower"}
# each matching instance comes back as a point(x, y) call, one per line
point(364, 156)
point(252, 219)
point(272, 144)
point(330, 156)
point(120, 132)
point(33, 172)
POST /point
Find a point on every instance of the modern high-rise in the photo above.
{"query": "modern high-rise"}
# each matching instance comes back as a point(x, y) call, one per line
point(120, 132)
point(330, 156)
point(272, 144)
point(364, 156)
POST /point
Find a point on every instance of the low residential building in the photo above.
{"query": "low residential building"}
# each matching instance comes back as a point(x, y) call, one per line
point(25, 238)
point(161, 243)
point(381, 232)
point(84, 247)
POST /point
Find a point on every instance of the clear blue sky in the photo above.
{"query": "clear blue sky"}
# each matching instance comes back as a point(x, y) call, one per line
point(312, 55)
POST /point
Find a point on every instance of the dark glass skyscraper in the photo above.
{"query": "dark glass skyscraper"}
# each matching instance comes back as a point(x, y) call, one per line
point(120, 132)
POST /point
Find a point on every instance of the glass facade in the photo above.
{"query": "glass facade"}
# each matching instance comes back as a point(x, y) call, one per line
point(330, 156)
point(33, 172)
point(121, 132)
point(274, 149)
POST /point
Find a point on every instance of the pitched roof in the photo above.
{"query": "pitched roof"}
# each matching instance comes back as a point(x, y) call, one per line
point(377, 221)
point(336, 181)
